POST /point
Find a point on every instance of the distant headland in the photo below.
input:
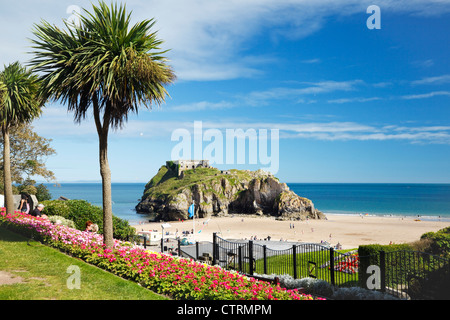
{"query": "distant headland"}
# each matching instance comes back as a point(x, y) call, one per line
point(214, 192)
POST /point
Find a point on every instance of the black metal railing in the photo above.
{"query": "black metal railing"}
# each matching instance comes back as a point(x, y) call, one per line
point(297, 260)
point(405, 274)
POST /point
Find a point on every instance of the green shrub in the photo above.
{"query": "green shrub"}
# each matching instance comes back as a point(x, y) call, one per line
point(63, 221)
point(56, 208)
point(440, 242)
point(81, 211)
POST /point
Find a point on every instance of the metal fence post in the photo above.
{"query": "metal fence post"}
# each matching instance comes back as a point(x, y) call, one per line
point(250, 256)
point(162, 245)
point(214, 249)
point(240, 258)
point(294, 260)
point(383, 270)
point(332, 280)
point(265, 258)
point(196, 250)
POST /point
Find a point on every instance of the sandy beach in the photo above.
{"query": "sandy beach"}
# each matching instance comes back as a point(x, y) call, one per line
point(349, 231)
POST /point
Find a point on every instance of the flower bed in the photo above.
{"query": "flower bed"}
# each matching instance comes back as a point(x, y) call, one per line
point(176, 277)
point(349, 265)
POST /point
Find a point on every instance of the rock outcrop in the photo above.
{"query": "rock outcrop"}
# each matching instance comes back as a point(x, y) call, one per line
point(217, 194)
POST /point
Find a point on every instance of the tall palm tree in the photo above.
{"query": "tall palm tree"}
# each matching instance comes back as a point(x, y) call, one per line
point(106, 65)
point(19, 103)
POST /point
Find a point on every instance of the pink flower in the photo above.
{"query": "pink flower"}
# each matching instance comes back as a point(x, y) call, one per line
point(152, 267)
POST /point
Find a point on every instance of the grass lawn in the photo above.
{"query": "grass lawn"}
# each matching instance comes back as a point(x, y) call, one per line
point(30, 270)
point(308, 265)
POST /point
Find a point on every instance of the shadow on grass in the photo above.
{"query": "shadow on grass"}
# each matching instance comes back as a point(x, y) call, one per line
point(11, 236)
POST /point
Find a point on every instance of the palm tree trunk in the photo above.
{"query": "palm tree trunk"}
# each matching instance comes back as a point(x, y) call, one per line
point(9, 199)
point(105, 172)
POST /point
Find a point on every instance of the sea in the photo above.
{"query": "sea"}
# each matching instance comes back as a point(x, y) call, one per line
point(423, 201)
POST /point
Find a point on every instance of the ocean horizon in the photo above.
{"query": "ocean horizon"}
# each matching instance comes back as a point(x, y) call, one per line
point(427, 201)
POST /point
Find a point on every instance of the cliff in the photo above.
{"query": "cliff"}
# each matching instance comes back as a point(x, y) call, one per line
point(217, 194)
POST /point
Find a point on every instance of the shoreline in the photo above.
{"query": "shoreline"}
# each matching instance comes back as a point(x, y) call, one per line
point(349, 231)
point(442, 218)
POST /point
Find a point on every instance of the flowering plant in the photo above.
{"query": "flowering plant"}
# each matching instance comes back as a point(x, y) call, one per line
point(348, 265)
point(177, 277)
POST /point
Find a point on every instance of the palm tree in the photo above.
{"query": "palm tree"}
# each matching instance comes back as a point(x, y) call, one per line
point(106, 65)
point(19, 103)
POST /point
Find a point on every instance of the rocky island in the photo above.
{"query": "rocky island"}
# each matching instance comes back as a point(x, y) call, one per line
point(178, 184)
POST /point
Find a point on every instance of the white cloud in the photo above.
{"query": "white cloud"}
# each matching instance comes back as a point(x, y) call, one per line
point(202, 105)
point(433, 80)
point(426, 95)
point(350, 100)
point(209, 40)
point(355, 132)
point(424, 63)
point(311, 61)
point(310, 88)
point(56, 122)
point(329, 131)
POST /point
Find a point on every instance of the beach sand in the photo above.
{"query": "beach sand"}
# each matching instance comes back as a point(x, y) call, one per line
point(347, 230)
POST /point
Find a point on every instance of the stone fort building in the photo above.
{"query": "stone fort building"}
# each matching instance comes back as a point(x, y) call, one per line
point(188, 164)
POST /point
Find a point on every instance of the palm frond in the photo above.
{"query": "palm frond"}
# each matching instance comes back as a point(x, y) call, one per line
point(122, 65)
point(20, 102)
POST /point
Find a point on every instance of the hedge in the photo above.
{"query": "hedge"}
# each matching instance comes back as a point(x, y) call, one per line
point(374, 249)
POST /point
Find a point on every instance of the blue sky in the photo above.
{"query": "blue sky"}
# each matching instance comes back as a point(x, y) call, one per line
point(351, 104)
